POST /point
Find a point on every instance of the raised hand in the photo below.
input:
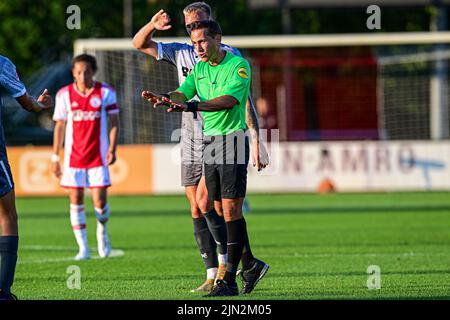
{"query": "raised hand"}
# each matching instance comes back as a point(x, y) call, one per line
point(161, 20)
point(45, 99)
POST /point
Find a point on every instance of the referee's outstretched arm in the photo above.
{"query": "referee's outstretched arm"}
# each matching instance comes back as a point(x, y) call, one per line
point(217, 104)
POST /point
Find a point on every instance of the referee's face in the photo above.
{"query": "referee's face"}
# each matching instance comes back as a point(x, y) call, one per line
point(206, 46)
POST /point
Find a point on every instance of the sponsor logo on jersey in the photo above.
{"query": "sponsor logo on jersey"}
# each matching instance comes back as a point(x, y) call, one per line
point(95, 102)
point(80, 115)
point(242, 72)
point(186, 71)
point(74, 104)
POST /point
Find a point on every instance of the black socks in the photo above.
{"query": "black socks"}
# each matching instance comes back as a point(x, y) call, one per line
point(236, 238)
point(8, 259)
point(247, 257)
point(205, 243)
point(218, 229)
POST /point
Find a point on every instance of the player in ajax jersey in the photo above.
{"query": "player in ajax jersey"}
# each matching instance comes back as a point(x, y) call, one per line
point(82, 111)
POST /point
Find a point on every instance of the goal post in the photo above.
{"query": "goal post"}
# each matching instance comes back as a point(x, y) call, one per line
point(283, 41)
point(389, 86)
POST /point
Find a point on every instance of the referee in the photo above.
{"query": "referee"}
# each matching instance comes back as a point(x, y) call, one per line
point(222, 82)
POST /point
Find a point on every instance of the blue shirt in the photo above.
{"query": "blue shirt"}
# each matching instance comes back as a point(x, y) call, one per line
point(10, 85)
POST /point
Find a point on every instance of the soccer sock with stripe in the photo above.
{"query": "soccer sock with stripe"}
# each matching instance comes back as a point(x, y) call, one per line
point(236, 237)
point(218, 228)
point(8, 260)
point(102, 215)
point(78, 221)
point(247, 257)
point(206, 245)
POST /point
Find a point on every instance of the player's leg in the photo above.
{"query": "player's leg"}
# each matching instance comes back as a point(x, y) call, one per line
point(191, 174)
point(226, 286)
point(216, 225)
point(9, 241)
point(205, 241)
point(239, 247)
point(218, 207)
point(98, 181)
point(102, 214)
point(253, 269)
point(233, 185)
point(78, 222)
point(75, 180)
point(232, 210)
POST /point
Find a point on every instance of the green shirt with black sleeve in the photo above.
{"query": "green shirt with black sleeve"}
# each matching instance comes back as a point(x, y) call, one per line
point(232, 77)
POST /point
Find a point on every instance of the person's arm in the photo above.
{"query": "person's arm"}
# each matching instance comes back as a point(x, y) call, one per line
point(58, 140)
point(225, 102)
point(251, 119)
point(10, 82)
point(260, 158)
point(176, 100)
point(44, 101)
point(113, 135)
point(60, 116)
point(172, 98)
point(143, 39)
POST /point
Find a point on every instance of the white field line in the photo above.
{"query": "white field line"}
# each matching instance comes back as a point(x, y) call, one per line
point(114, 254)
point(119, 253)
point(331, 255)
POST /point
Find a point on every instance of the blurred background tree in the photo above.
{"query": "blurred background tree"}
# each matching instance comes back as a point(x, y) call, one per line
point(34, 33)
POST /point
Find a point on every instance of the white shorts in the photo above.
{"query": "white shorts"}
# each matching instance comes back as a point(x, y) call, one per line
point(97, 177)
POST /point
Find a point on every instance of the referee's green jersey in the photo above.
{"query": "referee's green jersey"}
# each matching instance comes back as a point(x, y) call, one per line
point(230, 77)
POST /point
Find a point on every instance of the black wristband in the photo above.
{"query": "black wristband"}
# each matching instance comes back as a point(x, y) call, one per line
point(192, 106)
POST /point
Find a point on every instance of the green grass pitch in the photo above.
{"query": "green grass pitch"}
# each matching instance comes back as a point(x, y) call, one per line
point(318, 247)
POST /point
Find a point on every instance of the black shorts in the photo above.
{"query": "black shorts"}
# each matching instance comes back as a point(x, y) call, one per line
point(226, 161)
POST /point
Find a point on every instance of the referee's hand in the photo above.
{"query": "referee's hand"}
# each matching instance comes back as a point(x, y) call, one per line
point(150, 96)
point(260, 158)
point(162, 101)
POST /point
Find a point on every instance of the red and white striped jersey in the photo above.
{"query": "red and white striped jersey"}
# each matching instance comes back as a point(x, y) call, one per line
point(86, 139)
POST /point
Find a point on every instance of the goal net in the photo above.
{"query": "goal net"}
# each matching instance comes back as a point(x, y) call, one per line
point(311, 88)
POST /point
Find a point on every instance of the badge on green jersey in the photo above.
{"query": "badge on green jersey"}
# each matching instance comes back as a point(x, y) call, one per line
point(242, 72)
